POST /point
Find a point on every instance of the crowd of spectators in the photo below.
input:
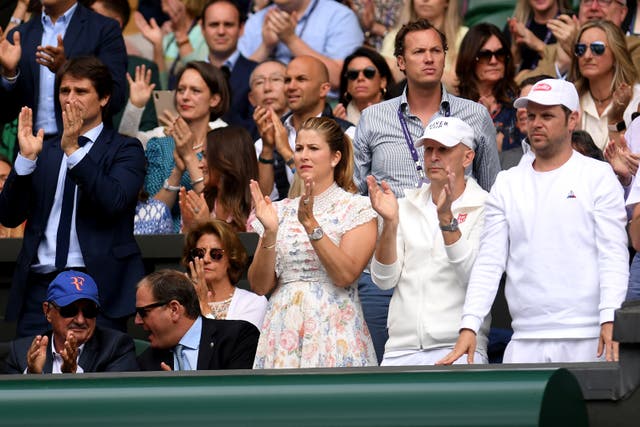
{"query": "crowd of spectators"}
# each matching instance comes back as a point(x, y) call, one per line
point(394, 163)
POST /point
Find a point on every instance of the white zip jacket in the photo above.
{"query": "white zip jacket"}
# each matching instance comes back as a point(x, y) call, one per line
point(430, 279)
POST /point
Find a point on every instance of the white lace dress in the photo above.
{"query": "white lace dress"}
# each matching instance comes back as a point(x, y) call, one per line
point(310, 322)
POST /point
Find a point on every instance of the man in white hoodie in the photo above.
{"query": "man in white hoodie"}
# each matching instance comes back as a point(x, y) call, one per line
point(429, 241)
point(556, 225)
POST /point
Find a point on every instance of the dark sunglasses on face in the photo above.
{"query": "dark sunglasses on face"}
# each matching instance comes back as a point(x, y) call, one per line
point(90, 311)
point(215, 254)
point(486, 54)
point(368, 72)
point(597, 49)
point(144, 310)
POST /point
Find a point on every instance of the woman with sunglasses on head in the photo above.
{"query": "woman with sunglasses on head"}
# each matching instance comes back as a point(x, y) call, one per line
point(227, 164)
point(173, 151)
point(216, 259)
point(311, 252)
point(363, 82)
point(486, 75)
point(442, 14)
point(606, 80)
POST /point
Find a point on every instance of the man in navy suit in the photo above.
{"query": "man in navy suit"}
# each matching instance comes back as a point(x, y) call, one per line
point(167, 307)
point(75, 344)
point(78, 194)
point(33, 52)
point(222, 26)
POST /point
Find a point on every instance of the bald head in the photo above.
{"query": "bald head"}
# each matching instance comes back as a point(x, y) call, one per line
point(307, 85)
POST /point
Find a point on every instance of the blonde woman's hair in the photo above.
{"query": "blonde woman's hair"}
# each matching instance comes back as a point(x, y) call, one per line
point(623, 69)
point(523, 10)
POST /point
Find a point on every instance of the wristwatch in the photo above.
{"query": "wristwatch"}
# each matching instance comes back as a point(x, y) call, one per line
point(453, 225)
point(316, 234)
point(618, 127)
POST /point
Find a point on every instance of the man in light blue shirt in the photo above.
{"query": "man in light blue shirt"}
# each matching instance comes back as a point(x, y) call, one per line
point(324, 29)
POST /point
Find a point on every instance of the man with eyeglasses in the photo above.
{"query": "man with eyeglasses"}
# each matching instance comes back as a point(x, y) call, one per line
point(167, 307)
point(556, 225)
point(306, 87)
point(75, 344)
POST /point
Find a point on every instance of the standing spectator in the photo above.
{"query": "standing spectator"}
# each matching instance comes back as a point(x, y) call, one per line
point(556, 225)
point(288, 29)
point(74, 344)
point(311, 252)
point(485, 72)
point(90, 174)
point(32, 53)
point(383, 145)
point(601, 66)
point(363, 82)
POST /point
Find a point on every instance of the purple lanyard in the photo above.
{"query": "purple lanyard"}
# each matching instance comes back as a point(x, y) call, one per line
point(412, 149)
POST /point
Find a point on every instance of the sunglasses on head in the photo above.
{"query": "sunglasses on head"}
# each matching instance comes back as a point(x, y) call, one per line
point(144, 310)
point(90, 311)
point(215, 254)
point(368, 72)
point(485, 55)
point(597, 48)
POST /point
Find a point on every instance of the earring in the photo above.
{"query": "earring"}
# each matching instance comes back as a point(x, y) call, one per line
point(383, 91)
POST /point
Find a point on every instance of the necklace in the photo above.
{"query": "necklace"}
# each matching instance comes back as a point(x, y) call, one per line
point(602, 101)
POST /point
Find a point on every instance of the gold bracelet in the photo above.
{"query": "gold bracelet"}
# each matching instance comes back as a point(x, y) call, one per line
point(269, 246)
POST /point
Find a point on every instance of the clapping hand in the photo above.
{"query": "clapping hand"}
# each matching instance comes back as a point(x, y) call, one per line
point(37, 354)
point(305, 207)
point(140, 87)
point(150, 30)
point(72, 124)
point(69, 354)
point(51, 57)
point(265, 211)
point(10, 55)
point(30, 145)
point(383, 201)
point(445, 199)
point(205, 294)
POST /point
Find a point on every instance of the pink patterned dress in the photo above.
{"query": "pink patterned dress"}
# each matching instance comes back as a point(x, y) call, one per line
point(310, 322)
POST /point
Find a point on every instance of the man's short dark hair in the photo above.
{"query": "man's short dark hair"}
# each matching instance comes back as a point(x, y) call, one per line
point(242, 15)
point(169, 285)
point(88, 67)
point(119, 7)
point(418, 25)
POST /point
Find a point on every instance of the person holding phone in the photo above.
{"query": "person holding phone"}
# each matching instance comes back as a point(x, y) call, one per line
point(173, 151)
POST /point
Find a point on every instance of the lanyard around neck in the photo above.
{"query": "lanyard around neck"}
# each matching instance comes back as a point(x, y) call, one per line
point(412, 148)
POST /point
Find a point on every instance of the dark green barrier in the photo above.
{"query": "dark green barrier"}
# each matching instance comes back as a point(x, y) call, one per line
point(366, 398)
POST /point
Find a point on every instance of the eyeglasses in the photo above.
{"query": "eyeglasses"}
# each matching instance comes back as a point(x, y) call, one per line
point(144, 310)
point(368, 72)
point(90, 311)
point(260, 81)
point(597, 48)
point(485, 55)
point(215, 254)
point(605, 3)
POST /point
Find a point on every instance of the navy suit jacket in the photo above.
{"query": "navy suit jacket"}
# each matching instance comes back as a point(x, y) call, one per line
point(240, 111)
point(224, 344)
point(109, 178)
point(106, 351)
point(88, 34)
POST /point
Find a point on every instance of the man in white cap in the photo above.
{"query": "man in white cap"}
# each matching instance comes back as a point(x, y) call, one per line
point(428, 244)
point(556, 225)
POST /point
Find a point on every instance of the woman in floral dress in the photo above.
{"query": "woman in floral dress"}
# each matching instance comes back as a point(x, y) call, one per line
point(310, 255)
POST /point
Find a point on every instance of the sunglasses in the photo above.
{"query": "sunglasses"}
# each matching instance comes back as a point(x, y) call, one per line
point(89, 311)
point(368, 72)
point(144, 310)
point(215, 254)
point(485, 55)
point(597, 48)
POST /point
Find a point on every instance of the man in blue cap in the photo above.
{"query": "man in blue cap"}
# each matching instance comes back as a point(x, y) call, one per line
point(75, 344)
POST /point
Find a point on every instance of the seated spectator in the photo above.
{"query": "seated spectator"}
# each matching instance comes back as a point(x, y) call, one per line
point(363, 82)
point(528, 30)
point(222, 25)
point(601, 67)
point(184, 40)
point(267, 93)
point(324, 29)
point(121, 11)
point(5, 169)
point(75, 344)
point(377, 17)
point(228, 163)
point(443, 219)
point(152, 216)
point(443, 15)
point(485, 74)
point(582, 142)
point(181, 339)
point(216, 259)
point(172, 151)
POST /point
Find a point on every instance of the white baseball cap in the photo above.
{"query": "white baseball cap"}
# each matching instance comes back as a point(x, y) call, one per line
point(551, 92)
point(448, 131)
